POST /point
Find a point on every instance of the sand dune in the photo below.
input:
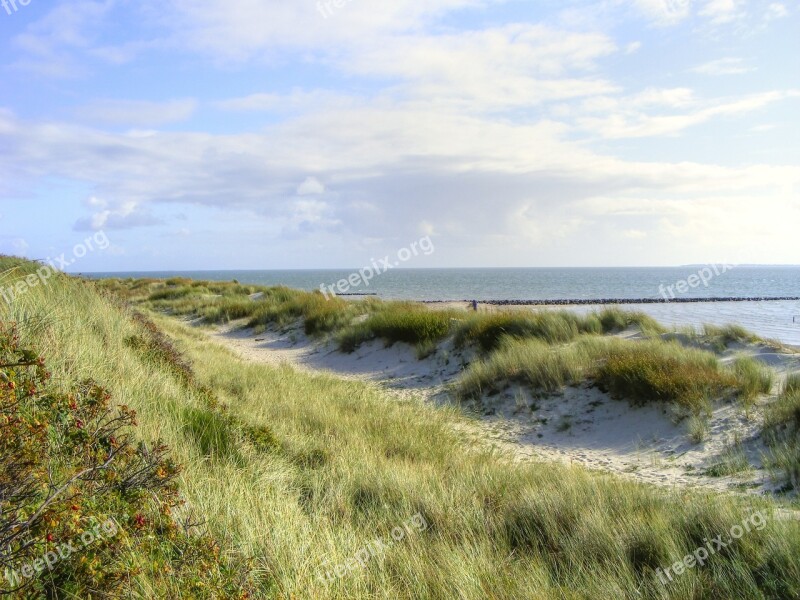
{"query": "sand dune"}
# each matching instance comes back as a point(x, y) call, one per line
point(581, 425)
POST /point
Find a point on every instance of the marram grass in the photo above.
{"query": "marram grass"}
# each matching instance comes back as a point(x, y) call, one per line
point(299, 473)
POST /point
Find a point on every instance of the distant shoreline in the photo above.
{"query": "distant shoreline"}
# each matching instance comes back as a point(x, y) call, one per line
point(607, 301)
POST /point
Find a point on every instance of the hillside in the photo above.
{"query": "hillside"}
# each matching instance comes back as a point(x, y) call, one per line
point(311, 486)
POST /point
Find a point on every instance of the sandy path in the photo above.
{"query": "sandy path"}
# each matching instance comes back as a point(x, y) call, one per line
point(581, 426)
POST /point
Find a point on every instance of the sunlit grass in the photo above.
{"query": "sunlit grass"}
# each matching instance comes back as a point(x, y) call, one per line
point(297, 473)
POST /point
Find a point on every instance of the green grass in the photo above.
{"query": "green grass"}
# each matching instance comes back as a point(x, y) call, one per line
point(487, 331)
point(394, 322)
point(729, 334)
point(641, 371)
point(296, 473)
point(531, 362)
point(614, 319)
point(755, 379)
point(665, 371)
point(732, 462)
point(782, 432)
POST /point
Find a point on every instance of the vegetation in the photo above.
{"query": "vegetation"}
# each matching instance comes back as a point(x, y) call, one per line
point(640, 371)
point(85, 507)
point(732, 462)
point(533, 363)
point(399, 322)
point(489, 331)
point(782, 431)
point(666, 371)
point(295, 475)
point(754, 378)
point(729, 334)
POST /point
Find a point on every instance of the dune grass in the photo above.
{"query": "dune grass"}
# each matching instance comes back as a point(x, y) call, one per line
point(754, 378)
point(552, 327)
point(641, 371)
point(655, 370)
point(729, 334)
point(394, 322)
point(531, 362)
point(488, 331)
point(297, 474)
point(614, 319)
point(782, 432)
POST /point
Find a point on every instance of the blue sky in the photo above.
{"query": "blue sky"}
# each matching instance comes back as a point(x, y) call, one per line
point(202, 134)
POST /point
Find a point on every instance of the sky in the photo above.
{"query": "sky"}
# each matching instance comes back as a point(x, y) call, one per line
point(276, 134)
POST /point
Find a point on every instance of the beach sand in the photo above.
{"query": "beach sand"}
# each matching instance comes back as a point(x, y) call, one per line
point(581, 426)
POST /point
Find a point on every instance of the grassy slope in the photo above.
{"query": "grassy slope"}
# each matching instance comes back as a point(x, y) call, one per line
point(350, 464)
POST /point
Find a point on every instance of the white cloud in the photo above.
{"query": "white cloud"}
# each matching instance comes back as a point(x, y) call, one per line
point(137, 113)
point(250, 29)
point(125, 215)
point(722, 11)
point(297, 100)
point(665, 12)
point(518, 65)
point(310, 187)
point(632, 123)
point(404, 164)
point(775, 11)
point(634, 234)
point(723, 66)
point(633, 47)
point(503, 120)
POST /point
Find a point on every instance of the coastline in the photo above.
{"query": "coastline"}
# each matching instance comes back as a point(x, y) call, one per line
point(612, 301)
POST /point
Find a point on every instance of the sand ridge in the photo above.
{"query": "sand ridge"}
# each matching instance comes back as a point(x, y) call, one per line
point(580, 426)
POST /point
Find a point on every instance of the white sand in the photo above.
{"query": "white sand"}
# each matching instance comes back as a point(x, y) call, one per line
point(580, 426)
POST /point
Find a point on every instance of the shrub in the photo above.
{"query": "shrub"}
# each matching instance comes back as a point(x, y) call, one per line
point(67, 464)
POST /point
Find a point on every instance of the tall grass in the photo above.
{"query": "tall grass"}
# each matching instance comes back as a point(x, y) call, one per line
point(296, 474)
point(754, 378)
point(393, 322)
point(729, 334)
point(553, 327)
point(488, 331)
point(641, 371)
point(531, 362)
point(782, 432)
point(614, 319)
point(665, 371)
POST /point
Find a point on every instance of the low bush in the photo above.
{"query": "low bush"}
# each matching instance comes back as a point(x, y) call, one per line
point(71, 476)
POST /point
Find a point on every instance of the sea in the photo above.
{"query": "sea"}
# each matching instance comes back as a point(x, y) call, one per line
point(772, 319)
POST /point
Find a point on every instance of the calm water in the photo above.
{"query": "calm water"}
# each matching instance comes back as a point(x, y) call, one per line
point(772, 319)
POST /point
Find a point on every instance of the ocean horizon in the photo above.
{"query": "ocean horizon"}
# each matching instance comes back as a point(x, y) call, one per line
point(773, 319)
